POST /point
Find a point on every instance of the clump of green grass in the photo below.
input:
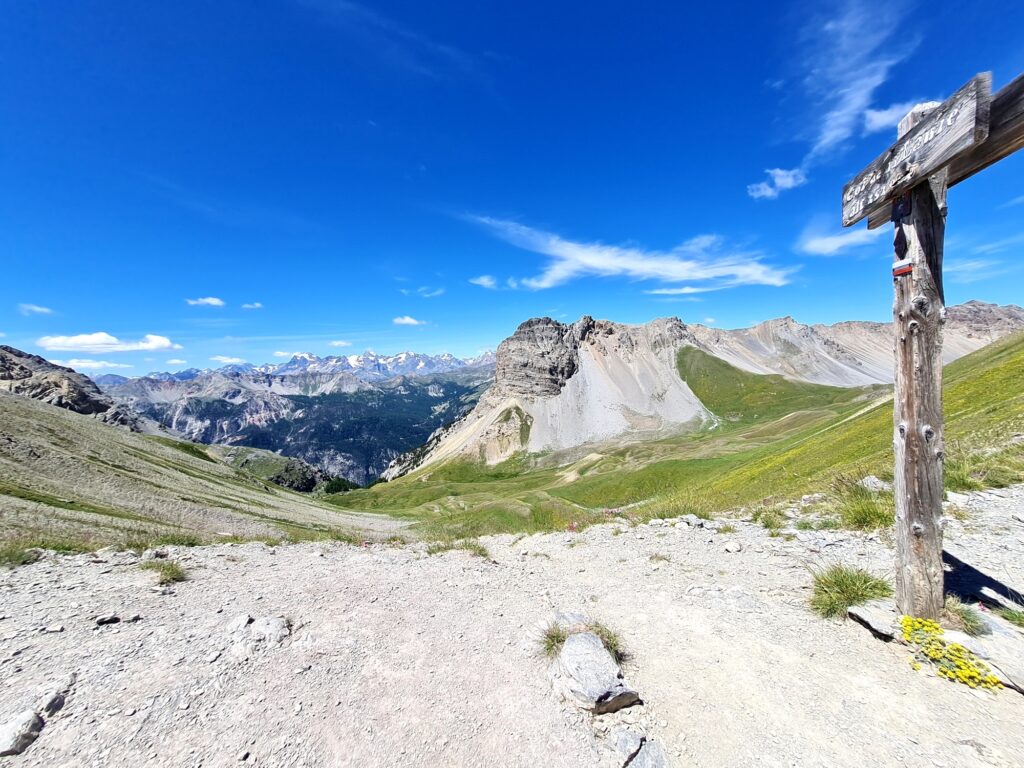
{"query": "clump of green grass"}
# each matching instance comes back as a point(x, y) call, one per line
point(1013, 616)
point(657, 557)
point(838, 587)
point(555, 635)
point(967, 470)
point(770, 518)
point(23, 551)
point(472, 546)
point(167, 571)
point(727, 528)
point(967, 617)
point(859, 508)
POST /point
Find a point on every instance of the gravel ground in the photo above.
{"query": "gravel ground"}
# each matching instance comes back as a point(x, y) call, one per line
point(388, 656)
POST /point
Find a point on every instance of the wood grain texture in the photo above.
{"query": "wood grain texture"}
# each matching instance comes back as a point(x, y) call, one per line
point(918, 440)
point(936, 138)
point(1005, 136)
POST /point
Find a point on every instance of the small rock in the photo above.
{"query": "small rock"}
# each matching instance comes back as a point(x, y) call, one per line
point(19, 732)
point(54, 628)
point(651, 755)
point(109, 618)
point(733, 546)
point(874, 484)
point(591, 676)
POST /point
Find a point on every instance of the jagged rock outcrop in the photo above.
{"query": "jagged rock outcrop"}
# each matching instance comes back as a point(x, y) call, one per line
point(32, 376)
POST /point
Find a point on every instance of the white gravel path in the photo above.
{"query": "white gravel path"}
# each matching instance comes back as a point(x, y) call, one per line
point(400, 658)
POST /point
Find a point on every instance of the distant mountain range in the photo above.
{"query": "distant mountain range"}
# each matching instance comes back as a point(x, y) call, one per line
point(368, 366)
point(349, 416)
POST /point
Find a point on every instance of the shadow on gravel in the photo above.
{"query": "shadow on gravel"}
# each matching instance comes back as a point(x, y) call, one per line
point(968, 583)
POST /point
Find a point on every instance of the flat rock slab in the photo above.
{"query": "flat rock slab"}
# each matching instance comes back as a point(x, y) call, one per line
point(879, 616)
point(590, 675)
point(651, 755)
point(19, 732)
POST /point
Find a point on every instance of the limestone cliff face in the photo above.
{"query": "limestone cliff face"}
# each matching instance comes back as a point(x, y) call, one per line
point(560, 386)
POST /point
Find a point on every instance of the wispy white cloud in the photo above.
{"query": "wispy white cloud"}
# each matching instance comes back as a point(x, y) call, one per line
point(253, 305)
point(406, 320)
point(966, 271)
point(227, 360)
point(89, 365)
point(779, 180)
point(425, 291)
point(709, 321)
point(279, 353)
point(998, 245)
point(176, 361)
point(847, 56)
point(100, 343)
point(876, 120)
point(816, 244)
point(205, 301)
point(34, 309)
point(339, 343)
point(484, 281)
point(1014, 201)
point(395, 44)
point(703, 260)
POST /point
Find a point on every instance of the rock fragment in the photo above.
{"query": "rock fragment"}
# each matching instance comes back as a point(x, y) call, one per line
point(19, 732)
point(590, 676)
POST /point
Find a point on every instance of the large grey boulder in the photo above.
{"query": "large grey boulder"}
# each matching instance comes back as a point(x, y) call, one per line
point(19, 732)
point(590, 677)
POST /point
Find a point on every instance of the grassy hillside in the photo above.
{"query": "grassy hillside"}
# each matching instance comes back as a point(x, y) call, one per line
point(68, 479)
point(781, 439)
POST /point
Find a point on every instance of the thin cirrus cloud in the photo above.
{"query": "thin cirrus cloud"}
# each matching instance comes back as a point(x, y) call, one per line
point(966, 271)
point(101, 343)
point(846, 58)
point(702, 260)
point(424, 291)
point(227, 360)
point(34, 309)
point(339, 343)
point(176, 361)
point(816, 244)
point(484, 281)
point(253, 305)
point(90, 365)
point(205, 301)
point(407, 320)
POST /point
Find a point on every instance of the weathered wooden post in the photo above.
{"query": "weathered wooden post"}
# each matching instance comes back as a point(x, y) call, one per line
point(939, 145)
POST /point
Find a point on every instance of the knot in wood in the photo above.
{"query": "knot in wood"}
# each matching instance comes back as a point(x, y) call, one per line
point(917, 529)
point(920, 303)
point(903, 430)
point(913, 326)
point(928, 432)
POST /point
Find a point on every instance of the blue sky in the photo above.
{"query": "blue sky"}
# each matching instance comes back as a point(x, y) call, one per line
point(190, 181)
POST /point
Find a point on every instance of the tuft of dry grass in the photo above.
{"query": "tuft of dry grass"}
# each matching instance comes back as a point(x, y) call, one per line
point(965, 616)
point(167, 571)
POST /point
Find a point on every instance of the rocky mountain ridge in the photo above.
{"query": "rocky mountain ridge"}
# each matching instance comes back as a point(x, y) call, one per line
point(560, 386)
point(34, 377)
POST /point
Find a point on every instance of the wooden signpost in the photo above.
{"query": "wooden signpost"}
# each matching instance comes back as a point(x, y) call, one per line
point(938, 146)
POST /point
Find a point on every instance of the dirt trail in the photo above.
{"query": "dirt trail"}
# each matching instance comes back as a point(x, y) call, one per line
point(395, 657)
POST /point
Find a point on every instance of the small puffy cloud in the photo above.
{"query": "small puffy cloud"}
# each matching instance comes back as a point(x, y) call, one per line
point(176, 361)
point(484, 281)
point(876, 120)
point(406, 320)
point(339, 343)
point(779, 180)
point(100, 343)
point(227, 360)
point(205, 301)
point(830, 245)
point(708, 321)
point(253, 305)
point(34, 309)
point(89, 365)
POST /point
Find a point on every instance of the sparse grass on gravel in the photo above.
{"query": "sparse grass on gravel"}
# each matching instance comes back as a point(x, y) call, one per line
point(838, 587)
point(1013, 616)
point(859, 508)
point(167, 571)
point(657, 557)
point(555, 635)
point(22, 551)
point(965, 616)
point(469, 545)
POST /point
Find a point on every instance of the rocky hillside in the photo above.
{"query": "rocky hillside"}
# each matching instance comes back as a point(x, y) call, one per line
point(563, 386)
point(340, 422)
point(33, 377)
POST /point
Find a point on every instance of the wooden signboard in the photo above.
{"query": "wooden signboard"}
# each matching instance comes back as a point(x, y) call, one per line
point(956, 126)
